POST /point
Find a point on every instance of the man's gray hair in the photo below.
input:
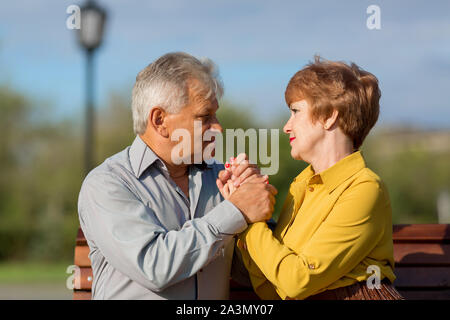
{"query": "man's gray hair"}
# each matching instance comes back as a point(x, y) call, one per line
point(164, 83)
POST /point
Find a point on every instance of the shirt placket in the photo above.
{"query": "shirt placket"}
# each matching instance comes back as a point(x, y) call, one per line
point(302, 197)
point(178, 190)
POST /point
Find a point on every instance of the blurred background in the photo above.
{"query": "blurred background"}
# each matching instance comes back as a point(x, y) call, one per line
point(50, 85)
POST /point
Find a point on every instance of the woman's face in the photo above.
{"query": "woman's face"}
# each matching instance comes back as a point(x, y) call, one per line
point(304, 135)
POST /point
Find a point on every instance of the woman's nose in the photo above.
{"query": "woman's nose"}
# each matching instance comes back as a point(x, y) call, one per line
point(287, 127)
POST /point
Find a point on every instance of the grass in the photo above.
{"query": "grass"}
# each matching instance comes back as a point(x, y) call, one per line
point(35, 272)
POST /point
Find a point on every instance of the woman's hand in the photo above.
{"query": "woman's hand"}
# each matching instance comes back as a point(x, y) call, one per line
point(238, 172)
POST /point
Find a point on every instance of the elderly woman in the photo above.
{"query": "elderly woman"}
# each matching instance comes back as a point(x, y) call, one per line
point(335, 228)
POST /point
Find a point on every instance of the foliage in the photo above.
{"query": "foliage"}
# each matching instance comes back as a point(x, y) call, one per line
point(41, 172)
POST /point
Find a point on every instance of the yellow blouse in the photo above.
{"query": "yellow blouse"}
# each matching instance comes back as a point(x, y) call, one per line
point(332, 227)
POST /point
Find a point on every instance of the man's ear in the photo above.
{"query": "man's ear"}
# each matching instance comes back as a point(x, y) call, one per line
point(157, 119)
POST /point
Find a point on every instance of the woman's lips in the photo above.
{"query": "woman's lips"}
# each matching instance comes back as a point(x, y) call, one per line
point(292, 138)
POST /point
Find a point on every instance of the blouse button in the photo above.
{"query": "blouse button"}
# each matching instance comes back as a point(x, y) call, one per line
point(311, 266)
point(311, 189)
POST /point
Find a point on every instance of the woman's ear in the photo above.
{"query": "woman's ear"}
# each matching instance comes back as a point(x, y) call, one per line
point(331, 121)
point(157, 119)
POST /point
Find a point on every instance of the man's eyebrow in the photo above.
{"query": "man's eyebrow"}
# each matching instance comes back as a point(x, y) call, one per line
point(206, 111)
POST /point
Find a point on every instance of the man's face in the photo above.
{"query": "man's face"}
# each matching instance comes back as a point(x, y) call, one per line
point(194, 119)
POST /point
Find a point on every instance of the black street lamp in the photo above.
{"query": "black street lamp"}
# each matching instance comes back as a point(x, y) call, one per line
point(90, 37)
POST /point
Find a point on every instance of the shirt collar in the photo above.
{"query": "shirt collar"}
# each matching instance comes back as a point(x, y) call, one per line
point(336, 174)
point(142, 156)
point(305, 174)
point(342, 170)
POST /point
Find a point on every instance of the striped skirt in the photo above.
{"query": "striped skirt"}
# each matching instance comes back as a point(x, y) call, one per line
point(360, 291)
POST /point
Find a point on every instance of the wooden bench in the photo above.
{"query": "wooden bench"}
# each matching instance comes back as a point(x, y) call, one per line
point(422, 261)
point(421, 253)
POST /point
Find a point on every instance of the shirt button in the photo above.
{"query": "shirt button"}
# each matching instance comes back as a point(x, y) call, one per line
point(311, 266)
point(311, 189)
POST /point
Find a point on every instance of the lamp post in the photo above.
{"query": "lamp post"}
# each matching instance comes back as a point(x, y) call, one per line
point(90, 37)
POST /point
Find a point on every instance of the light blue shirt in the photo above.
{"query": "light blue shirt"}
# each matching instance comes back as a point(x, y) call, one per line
point(147, 239)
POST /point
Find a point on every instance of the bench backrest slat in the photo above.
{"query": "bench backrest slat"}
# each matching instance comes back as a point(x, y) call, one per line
point(424, 233)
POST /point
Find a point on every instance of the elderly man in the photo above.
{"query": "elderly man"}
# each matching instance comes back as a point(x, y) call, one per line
point(159, 228)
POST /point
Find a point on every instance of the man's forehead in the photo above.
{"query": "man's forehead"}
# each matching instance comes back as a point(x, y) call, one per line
point(206, 105)
point(201, 97)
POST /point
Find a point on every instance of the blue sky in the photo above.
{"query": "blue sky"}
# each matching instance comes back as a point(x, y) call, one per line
point(258, 46)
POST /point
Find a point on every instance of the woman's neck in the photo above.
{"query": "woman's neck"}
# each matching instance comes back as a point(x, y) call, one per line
point(331, 151)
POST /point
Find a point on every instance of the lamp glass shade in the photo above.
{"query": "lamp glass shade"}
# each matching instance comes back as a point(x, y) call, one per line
point(91, 26)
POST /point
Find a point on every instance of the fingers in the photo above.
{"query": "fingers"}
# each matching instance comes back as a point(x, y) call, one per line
point(256, 178)
point(272, 189)
point(226, 191)
point(241, 157)
point(239, 168)
point(269, 208)
point(231, 187)
point(242, 169)
point(272, 199)
point(224, 175)
point(219, 185)
point(222, 178)
point(224, 183)
point(243, 174)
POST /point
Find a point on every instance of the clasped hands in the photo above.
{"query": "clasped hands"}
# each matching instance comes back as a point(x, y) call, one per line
point(242, 184)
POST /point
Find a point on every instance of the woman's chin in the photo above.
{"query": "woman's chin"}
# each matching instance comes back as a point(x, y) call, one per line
point(296, 155)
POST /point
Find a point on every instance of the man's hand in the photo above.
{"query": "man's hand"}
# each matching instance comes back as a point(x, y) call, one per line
point(255, 200)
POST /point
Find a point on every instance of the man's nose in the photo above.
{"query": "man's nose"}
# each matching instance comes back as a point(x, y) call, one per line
point(216, 125)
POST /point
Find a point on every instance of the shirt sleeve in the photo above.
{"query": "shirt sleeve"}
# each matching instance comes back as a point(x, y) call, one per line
point(130, 237)
point(344, 239)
